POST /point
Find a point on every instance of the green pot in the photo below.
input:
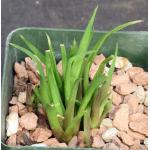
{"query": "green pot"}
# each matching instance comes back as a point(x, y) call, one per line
point(132, 45)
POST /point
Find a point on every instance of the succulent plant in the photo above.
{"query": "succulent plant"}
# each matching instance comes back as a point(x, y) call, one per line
point(72, 101)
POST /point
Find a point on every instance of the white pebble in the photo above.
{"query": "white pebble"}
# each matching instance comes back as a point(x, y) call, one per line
point(107, 123)
point(109, 134)
point(128, 66)
point(146, 142)
point(106, 70)
point(146, 99)
point(22, 97)
point(12, 123)
point(121, 62)
point(140, 94)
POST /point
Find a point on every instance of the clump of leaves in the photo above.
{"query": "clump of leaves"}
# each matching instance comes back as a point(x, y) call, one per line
point(71, 100)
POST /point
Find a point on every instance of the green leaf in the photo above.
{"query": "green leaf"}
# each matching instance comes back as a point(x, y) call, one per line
point(68, 78)
point(70, 108)
point(33, 48)
point(24, 50)
point(87, 36)
point(54, 120)
point(111, 70)
point(86, 76)
point(87, 126)
point(64, 59)
point(53, 64)
point(53, 85)
point(84, 44)
point(74, 48)
point(101, 41)
point(106, 110)
point(34, 57)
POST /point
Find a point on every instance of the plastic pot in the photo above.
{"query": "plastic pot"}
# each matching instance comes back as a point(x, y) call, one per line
point(132, 45)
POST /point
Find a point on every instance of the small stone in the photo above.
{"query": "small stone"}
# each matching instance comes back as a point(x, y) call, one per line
point(143, 147)
point(98, 142)
point(116, 98)
point(119, 79)
point(109, 134)
point(146, 142)
point(146, 87)
point(33, 78)
point(50, 142)
point(140, 127)
point(141, 78)
point(93, 71)
point(53, 142)
point(126, 138)
point(102, 129)
point(111, 146)
point(59, 67)
point(146, 99)
point(135, 135)
point(42, 121)
point(30, 108)
point(23, 111)
point(124, 147)
point(119, 144)
point(113, 111)
point(22, 63)
point(41, 134)
point(41, 109)
point(137, 117)
point(136, 145)
point(13, 109)
point(95, 132)
point(62, 145)
point(140, 109)
point(73, 142)
point(19, 129)
point(119, 72)
point(23, 137)
point(128, 66)
point(99, 59)
point(13, 100)
point(133, 71)
point(28, 121)
point(132, 101)
point(30, 65)
point(20, 71)
point(140, 94)
point(12, 123)
point(116, 141)
point(145, 110)
point(11, 141)
point(121, 118)
point(22, 97)
point(20, 85)
point(139, 123)
point(81, 139)
point(121, 62)
point(126, 88)
point(107, 122)
point(20, 106)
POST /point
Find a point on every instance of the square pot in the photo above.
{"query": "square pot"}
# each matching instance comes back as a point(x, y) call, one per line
point(133, 45)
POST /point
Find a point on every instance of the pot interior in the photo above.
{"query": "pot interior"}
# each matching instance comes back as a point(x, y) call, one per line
point(132, 45)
